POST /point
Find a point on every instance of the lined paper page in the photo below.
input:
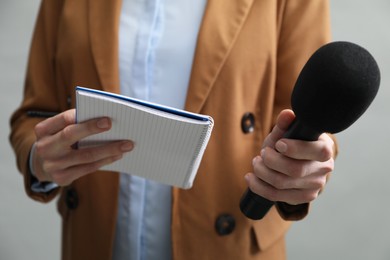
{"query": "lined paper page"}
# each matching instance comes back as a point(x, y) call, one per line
point(168, 147)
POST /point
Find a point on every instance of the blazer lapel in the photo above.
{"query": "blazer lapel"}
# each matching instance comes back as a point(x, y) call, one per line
point(221, 24)
point(104, 30)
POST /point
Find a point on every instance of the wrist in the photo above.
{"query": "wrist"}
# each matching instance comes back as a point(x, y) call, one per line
point(33, 166)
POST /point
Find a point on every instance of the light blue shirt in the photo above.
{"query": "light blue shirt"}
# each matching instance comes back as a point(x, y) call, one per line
point(157, 40)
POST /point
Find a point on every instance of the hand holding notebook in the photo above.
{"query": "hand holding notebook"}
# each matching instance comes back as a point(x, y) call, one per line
point(169, 143)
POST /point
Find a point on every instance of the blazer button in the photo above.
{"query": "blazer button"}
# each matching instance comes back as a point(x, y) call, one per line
point(71, 198)
point(248, 123)
point(225, 224)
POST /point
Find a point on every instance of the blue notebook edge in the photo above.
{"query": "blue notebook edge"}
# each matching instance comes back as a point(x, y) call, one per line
point(152, 105)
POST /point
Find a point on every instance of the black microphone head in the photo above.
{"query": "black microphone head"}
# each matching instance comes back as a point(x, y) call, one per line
point(335, 87)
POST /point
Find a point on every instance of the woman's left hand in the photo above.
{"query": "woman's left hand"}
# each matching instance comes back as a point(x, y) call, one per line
point(291, 171)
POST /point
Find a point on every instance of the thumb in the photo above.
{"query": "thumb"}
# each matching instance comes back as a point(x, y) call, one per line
point(285, 118)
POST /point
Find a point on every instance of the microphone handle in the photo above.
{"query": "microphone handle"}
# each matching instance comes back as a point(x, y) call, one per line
point(256, 207)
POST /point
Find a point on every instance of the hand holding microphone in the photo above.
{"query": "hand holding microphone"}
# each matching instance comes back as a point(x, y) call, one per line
point(335, 87)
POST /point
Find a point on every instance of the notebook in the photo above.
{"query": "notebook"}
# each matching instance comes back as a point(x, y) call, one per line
point(169, 143)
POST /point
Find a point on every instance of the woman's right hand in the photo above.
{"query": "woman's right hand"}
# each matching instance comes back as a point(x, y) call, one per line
point(56, 160)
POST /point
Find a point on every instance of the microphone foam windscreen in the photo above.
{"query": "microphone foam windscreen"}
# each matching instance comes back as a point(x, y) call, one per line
point(335, 87)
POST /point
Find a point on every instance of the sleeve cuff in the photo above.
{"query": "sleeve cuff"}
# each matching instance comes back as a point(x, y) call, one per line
point(36, 185)
point(42, 187)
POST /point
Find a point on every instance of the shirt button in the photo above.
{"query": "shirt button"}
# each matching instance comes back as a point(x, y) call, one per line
point(225, 224)
point(248, 123)
point(71, 198)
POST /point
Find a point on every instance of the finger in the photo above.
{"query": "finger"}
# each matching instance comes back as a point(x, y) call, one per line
point(320, 150)
point(293, 167)
point(291, 196)
point(67, 176)
point(270, 176)
point(61, 143)
point(90, 155)
point(55, 167)
point(55, 124)
point(285, 118)
point(75, 132)
point(279, 180)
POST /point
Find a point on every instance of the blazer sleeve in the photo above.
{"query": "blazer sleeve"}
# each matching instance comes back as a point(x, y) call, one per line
point(303, 27)
point(39, 92)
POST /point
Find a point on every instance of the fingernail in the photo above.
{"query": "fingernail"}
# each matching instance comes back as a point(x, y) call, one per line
point(262, 153)
point(254, 160)
point(103, 123)
point(127, 146)
point(281, 147)
point(247, 178)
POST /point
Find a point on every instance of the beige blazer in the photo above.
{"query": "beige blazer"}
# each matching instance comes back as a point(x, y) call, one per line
point(248, 55)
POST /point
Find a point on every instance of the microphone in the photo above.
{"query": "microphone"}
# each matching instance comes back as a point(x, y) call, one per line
point(335, 87)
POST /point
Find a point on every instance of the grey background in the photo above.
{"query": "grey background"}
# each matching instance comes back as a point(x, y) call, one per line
point(350, 220)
